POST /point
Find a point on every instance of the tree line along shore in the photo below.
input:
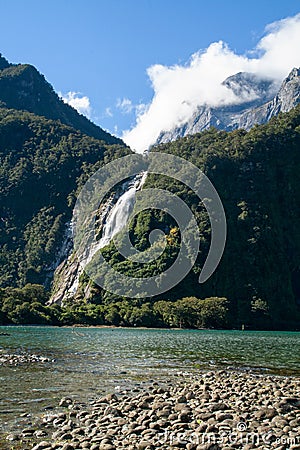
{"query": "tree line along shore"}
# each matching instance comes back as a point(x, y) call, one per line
point(28, 306)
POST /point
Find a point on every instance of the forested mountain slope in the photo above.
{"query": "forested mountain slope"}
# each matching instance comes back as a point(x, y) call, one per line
point(42, 164)
point(257, 175)
point(22, 87)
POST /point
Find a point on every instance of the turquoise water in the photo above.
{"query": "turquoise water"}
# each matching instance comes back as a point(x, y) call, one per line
point(91, 361)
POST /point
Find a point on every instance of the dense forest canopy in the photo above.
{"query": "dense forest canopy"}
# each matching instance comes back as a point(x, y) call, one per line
point(258, 179)
point(257, 176)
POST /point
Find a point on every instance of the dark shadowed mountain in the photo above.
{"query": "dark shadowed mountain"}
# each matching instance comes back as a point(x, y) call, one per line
point(46, 150)
point(22, 87)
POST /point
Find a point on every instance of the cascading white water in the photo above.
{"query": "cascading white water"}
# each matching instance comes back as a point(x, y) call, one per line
point(118, 216)
point(114, 218)
point(63, 253)
point(120, 213)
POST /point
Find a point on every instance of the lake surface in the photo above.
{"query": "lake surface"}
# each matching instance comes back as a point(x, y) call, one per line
point(92, 361)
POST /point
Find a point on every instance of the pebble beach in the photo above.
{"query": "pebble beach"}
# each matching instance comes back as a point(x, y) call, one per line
point(210, 410)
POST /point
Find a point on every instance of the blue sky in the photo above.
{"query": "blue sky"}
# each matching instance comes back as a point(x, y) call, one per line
point(103, 48)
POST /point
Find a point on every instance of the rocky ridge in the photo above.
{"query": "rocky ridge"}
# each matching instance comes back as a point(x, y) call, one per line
point(260, 100)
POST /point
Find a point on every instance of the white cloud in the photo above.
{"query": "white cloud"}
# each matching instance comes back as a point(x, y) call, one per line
point(280, 48)
point(178, 90)
point(141, 108)
point(125, 105)
point(80, 102)
point(108, 112)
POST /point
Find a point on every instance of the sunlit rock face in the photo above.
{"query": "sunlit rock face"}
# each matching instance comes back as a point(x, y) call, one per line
point(259, 100)
point(112, 216)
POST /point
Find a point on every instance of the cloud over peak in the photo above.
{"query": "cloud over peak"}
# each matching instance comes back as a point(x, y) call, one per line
point(180, 89)
point(78, 101)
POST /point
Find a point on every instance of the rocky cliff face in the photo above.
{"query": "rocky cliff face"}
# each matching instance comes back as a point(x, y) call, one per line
point(260, 99)
point(287, 98)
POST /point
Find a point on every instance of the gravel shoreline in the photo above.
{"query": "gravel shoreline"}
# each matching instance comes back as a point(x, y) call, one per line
point(208, 411)
point(17, 359)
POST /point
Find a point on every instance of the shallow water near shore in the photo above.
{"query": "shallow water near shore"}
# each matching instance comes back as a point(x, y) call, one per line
point(91, 361)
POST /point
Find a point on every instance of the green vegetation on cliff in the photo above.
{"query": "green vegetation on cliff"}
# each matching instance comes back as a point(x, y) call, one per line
point(43, 162)
point(258, 179)
point(257, 175)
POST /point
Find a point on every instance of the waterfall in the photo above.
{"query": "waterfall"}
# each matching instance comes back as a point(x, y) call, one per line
point(118, 215)
point(62, 253)
point(114, 217)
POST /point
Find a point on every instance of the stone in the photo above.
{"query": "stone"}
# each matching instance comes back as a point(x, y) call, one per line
point(29, 431)
point(144, 445)
point(66, 436)
point(220, 416)
point(112, 397)
point(12, 437)
point(182, 399)
point(180, 406)
point(107, 447)
point(94, 447)
point(40, 433)
point(265, 413)
point(42, 445)
point(67, 446)
point(65, 402)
